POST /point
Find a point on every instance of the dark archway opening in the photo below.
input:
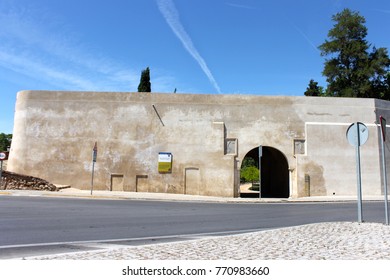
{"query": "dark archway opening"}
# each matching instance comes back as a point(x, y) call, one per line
point(274, 173)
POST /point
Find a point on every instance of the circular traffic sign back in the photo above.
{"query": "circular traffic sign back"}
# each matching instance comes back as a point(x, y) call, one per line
point(3, 156)
point(357, 134)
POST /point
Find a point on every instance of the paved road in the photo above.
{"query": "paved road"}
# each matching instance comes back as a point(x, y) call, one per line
point(38, 220)
point(26, 220)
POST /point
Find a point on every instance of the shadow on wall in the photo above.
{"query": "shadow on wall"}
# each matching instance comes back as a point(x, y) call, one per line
point(314, 180)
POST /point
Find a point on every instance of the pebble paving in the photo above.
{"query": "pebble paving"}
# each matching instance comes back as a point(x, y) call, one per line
point(323, 241)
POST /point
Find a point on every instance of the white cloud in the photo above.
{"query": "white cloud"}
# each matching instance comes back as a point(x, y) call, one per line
point(27, 66)
point(171, 15)
point(32, 46)
point(241, 6)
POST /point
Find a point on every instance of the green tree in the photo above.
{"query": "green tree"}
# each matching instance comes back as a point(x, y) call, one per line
point(352, 70)
point(250, 174)
point(144, 84)
point(248, 161)
point(380, 87)
point(5, 141)
point(313, 89)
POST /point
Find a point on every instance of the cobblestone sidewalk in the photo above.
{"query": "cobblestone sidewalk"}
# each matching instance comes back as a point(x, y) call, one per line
point(323, 241)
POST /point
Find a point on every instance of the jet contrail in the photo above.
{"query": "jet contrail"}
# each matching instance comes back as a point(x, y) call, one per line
point(382, 11)
point(240, 6)
point(171, 15)
point(306, 38)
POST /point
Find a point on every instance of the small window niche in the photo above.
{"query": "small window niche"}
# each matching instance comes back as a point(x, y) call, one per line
point(231, 146)
point(299, 146)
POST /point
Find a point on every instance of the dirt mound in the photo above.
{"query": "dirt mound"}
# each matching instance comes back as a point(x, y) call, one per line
point(14, 181)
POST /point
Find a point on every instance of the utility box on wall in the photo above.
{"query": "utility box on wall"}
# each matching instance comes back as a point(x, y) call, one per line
point(164, 162)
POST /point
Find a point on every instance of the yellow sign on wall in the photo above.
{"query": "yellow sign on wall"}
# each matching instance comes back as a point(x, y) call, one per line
point(164, 162)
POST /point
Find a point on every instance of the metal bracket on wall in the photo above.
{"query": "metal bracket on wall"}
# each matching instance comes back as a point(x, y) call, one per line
point(158, 115)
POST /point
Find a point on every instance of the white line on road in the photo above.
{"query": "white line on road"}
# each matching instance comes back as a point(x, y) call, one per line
point(94, 242)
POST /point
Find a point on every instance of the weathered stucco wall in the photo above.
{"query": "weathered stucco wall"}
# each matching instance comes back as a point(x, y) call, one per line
point(55, 132)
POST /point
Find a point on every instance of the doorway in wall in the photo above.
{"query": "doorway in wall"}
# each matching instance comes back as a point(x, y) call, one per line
point(274, 174)
point(192, 181)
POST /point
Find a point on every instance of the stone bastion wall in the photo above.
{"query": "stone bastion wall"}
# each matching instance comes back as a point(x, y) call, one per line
point(205, 137)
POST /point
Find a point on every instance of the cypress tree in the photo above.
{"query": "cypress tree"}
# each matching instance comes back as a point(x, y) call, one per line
point(144, 84)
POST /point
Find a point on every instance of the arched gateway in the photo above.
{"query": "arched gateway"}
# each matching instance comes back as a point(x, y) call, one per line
point(274, 172)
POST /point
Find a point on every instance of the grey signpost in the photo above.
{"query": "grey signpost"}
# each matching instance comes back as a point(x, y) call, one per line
point(3, 156)
point(383, 129)
point(1, 171)
point(357, 135)
point(94, 156)
point(260, 155)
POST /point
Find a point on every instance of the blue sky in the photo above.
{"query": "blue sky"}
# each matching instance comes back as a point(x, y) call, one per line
point(197, 46)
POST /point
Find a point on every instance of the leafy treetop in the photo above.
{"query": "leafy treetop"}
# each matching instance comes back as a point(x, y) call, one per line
point(5, 141)
point(352, 68)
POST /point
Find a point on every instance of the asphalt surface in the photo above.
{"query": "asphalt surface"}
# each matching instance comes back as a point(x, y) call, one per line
point(42, 220)
point(34, 223)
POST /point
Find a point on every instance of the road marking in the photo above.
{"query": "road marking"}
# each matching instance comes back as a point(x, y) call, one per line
point(94, 243)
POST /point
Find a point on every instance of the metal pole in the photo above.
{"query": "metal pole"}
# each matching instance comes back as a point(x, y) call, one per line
point(384, 179)
point(1, 174)
point(260, 155)
point(94, 156)
point(93, 170)
point(358, 172)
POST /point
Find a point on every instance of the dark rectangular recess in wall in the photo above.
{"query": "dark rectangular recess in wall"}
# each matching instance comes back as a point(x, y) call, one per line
point(137, 181)
point(117, 182)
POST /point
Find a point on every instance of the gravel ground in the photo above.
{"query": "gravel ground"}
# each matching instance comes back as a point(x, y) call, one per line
point(323, 241)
